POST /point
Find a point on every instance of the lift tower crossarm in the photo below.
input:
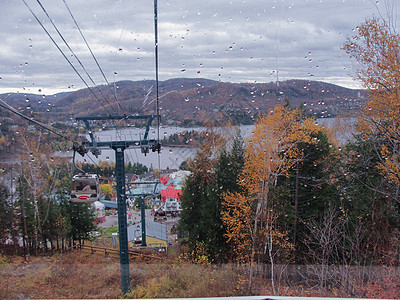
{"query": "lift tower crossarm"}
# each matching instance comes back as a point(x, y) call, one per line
point(86, 120)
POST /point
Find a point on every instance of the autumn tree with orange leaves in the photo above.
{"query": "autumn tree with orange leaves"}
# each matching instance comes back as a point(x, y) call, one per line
point(376, 48)
point(271, 151)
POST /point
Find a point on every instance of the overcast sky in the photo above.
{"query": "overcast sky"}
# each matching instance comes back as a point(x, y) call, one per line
point(226, 40)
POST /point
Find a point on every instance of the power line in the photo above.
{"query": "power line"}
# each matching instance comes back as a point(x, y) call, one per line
point(66, 58)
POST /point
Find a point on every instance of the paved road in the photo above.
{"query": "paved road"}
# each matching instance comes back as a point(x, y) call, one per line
point(112, 220)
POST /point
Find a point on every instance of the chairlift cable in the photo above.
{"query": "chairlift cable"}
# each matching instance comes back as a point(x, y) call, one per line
point(76, 147)
point(53, 130)
point(73, 53)
point(73, 162)
point(91, 52)
point(157, 92)
point(66, 58)
point(93, 161)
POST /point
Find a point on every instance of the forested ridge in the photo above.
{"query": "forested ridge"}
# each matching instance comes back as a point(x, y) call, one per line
point(195, 101)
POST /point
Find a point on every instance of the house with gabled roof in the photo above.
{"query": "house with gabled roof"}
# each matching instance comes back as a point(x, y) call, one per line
point(170, 191)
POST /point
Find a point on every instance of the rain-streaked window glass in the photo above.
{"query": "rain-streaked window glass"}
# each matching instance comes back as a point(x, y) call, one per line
point(177, 149)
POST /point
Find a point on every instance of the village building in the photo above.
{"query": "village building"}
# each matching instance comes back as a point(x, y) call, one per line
point(156, 235)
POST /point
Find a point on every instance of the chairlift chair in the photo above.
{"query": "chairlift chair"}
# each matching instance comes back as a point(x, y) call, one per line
point(85, 188)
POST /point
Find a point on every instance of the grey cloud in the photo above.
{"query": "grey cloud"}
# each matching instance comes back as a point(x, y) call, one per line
point(221, 39)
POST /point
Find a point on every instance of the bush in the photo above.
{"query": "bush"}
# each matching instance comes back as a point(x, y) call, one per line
point(189, 281)
point(4, 260)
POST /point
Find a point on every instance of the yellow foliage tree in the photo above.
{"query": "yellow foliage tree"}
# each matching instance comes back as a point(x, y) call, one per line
point(270, 152)
point(107, 190)
point(376, 48)
point(237, 218)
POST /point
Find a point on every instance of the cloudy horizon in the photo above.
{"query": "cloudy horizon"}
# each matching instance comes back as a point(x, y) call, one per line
point(229, 41)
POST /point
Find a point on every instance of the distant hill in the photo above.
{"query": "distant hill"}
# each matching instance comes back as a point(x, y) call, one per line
point(187, 101)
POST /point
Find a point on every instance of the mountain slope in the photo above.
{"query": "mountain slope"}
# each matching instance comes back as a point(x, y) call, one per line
point(194, 100)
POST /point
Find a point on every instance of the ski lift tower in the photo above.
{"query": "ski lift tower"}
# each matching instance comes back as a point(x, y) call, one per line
point(119, 147)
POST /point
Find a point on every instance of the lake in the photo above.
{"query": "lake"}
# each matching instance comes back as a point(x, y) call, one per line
point(171, 157)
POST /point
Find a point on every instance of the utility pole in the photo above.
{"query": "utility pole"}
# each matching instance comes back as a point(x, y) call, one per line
point(119, 147)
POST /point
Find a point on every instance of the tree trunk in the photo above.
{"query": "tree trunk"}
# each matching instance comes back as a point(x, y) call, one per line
point(296, 205)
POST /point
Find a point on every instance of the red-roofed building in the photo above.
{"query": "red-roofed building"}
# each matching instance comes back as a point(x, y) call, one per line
point(170, 193)
point(164, 179)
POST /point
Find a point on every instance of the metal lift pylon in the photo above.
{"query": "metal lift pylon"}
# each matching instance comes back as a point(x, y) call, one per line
point(119, 147)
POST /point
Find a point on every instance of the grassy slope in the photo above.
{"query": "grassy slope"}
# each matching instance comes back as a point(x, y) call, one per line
point(82, 275)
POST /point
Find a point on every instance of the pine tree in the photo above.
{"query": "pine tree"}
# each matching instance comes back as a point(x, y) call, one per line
point(82, 221)
point(6, 214)
point(306, 193)
point(227, 168)
point(202, 196)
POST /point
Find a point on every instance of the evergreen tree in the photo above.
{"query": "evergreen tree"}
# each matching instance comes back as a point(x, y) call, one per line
point(193, 197)
point(82, 219)
point(6, 214)
point(227, 167)
point(201, 201)
point(309, 189)
point(370, 204)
